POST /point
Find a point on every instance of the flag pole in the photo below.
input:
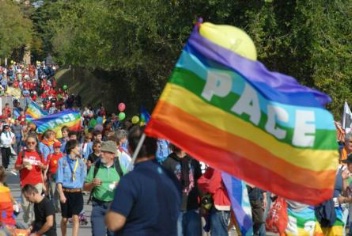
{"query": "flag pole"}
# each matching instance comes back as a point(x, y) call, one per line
point(138, 148)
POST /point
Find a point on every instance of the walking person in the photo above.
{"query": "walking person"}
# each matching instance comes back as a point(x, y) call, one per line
point(187, 170)
point(18, 131)
point(7, 138)
point(95, 156)
point(147, 200)
point(70, 178)
point(53, 160)
point(102, 179)
point(30, 165)
point(44, 212)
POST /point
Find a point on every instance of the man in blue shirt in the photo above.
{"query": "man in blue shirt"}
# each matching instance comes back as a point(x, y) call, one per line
point(147, 200)
point(71, 173)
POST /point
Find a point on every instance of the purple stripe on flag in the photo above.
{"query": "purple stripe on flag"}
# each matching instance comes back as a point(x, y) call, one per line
point(276, 86)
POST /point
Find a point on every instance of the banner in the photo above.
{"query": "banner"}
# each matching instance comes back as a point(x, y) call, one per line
point(69, 118)
point(260, 126)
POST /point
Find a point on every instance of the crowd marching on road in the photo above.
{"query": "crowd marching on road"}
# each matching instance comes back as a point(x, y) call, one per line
point(164, 191)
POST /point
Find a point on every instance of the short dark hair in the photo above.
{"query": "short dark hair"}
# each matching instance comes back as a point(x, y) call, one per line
point(71, 133)
point(64, 128)
point(149, 145)
point(71, 144)
point(28, 188)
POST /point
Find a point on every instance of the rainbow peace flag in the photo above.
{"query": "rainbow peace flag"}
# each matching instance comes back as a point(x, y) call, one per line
point(69, 118)
point(145, 116)
point(260, 126)
point(34, 111)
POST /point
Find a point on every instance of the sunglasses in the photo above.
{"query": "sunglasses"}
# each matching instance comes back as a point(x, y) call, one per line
point(31, 143)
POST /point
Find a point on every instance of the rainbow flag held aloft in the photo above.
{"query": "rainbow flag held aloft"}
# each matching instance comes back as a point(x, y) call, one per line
point(34, 111)
point(69, 118)
point(145, 116)
point(260, 126)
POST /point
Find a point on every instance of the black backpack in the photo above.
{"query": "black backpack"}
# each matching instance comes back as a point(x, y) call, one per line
point(96, 169)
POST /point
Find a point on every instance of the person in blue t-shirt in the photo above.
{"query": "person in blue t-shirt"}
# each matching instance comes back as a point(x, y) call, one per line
point(147, 200)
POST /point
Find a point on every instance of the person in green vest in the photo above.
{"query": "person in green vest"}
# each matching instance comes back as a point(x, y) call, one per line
point(101, 180)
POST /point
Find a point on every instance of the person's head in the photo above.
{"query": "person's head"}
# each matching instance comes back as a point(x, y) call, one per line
point(149, 145)
point(31, 142)
point(6, 128)
point(72, 135)
point(72, 147)
point(57, 146)
point(88, 137)
point(49, 135)
point(30, 193)
point(2, 174)
point(121, 136)
point(348, 141)
point(108, 152)
point(7, 105)
point(97, 135)
point(179, 152)
point(64, 131)
point(96, 146)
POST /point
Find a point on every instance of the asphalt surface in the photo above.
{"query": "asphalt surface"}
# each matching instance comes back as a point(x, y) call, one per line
point(13, 182)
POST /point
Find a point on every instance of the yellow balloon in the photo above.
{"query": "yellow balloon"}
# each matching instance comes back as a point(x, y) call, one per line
point(231, 38)
point(135, 119)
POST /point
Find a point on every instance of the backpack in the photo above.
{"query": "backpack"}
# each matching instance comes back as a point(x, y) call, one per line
point(96, 169)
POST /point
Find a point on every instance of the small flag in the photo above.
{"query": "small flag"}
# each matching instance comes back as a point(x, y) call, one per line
point(145, 116)
point(346, 118)
point(240, 205)
point(34, 111)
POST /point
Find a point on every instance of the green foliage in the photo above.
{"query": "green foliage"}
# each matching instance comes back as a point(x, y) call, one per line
point(136, 42)
point(15, 28)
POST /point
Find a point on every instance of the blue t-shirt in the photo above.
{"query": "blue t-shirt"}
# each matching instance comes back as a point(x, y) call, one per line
point(150, 199)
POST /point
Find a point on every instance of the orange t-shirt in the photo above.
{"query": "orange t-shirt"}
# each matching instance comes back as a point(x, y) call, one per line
point(6, 207)
point(53, 159)
point(33, 176)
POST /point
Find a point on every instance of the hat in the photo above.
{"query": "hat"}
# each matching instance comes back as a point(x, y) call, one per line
point(57, 145)
point(109, 146)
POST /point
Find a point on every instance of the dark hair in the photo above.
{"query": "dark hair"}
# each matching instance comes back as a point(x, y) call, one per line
point(71, 144)
point(96, 142)
point(149, 145)
point(48, 133)
point(28, 188)
point(70, 133)
point(96, 132)
point(64, 128)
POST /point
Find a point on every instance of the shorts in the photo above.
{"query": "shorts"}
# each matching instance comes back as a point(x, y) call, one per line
point(73, 205)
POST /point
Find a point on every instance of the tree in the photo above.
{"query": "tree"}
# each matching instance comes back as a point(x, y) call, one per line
point(16, 30)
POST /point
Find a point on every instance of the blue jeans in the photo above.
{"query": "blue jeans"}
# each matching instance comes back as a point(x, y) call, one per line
point(189, 224)
point(97, 219)
point(219, 222)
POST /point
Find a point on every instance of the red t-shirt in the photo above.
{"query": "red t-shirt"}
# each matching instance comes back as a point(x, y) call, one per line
point(53, 160)
point(33, 176)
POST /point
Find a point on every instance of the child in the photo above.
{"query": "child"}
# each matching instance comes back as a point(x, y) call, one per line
point(53, 159)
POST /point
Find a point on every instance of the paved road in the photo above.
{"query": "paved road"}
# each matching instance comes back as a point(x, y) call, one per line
point(13, 182)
